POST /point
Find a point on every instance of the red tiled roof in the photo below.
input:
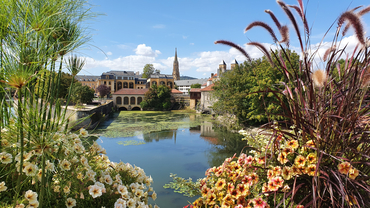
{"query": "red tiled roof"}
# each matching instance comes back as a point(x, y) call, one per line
point(204, 84)
point(126, 91)
point(195, 90)
point(209, 88)
point(174, 91)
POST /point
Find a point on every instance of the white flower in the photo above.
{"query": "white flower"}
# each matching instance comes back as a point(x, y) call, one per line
point(95, 191)
point(6, 158)
point(131, 203)
point(108, 179)
point(122, 189)
point(31, 196)
point(34, 204)
point(30, 169)
point(2, 186)
point(65, 165)
point(139, 193)
point(120, 203)
point(70, 202)
point(50, 166)
point(154, 195)
point(84, 133)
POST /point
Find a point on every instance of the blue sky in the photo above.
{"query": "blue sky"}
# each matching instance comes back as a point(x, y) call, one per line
point(131, 34)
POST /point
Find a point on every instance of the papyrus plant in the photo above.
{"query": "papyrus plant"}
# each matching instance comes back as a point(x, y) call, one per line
point(327, 109)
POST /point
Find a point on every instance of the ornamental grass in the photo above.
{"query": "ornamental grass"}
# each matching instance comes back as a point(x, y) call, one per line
point(318, 154)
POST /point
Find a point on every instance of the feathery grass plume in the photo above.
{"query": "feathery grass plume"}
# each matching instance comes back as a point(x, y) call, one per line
point(328, 51)
point(319, 78)
point(292, 19)
point(225, 42)
point(303, 17)
point(264, 25)
point(355, 22)
point(365, 77)
point(264, 51)
point(273, 17)
point(284, 31)
point(360, 13)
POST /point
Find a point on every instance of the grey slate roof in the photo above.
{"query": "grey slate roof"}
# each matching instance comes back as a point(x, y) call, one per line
point(120, 73)
point(87, 78)
point(164, 76)
point(190, 82)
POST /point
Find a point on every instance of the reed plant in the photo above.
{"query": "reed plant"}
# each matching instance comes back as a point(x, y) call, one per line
point(318, 155)
point(42, 164)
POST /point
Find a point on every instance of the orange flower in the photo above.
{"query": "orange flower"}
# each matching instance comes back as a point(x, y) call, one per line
point(270, 174)
point(296, 170)
point(292, 144)
point(344, 168)
point(261, 160)
point(259, 203)
point(272, 186)
point(211, 197)
point(243, 189)
point(310, 143)
point(228, 201)
point(299, 206)
point(254, 178)
point(353, 173)
point(287, 151)
point(278, 181)
point(277, 170)
point(300, 161)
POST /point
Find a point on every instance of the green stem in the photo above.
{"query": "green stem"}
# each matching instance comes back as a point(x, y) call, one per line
point(20, 128)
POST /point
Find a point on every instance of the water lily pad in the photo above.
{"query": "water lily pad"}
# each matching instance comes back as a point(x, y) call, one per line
point(130, 142)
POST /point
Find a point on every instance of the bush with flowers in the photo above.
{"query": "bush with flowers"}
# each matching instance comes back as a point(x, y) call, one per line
point(76, 173)
point(318, 155)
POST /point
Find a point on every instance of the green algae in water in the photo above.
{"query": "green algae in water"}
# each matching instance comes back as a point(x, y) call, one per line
point(134, 123)
point(130, 142)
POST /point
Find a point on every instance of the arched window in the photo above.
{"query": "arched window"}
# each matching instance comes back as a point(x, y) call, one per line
point(119, 85)
point(125, 101)
point(125, 85)
point(139, 100)
point(132, 101)
point(162, 83)
point(154, 83)
point(131, 85)
point(118, 100)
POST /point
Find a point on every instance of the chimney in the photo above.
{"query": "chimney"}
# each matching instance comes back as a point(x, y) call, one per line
point(212, 74)
point(138, 73)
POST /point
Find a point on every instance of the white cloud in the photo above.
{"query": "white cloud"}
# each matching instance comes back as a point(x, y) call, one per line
point(123, 46)
point(109, 53)
point(191, 43)
point(143, 50)
point(159, 26)
point(184, 37)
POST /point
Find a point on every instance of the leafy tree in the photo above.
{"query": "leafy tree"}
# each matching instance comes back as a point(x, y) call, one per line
point(103, 90)
point(148, 70)
point(158, 98)
point(65, 84)
point(241, 91)
point(82, 94)
point(195, 86)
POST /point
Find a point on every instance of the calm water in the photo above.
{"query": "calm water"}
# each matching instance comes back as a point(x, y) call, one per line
point(184, 144)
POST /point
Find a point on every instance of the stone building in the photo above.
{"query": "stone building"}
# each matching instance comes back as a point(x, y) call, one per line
point(176, 70)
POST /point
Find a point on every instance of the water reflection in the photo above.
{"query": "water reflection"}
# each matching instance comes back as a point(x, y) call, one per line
point(185, 144)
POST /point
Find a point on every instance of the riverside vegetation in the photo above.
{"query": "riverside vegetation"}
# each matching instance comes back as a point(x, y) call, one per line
point(317, 151)
point(42, 163)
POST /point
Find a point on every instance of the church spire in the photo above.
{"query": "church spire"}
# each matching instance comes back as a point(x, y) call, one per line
point(176, 71)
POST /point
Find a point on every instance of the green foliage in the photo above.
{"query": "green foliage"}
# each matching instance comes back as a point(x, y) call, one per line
point(184, 186)
point(157, 98)
point(82, 94)
point(149, 70)
point(243, 91)
point(195, 86)
point(65, 84)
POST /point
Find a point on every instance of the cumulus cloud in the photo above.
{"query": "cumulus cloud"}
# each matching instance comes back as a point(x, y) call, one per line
point(143, 50)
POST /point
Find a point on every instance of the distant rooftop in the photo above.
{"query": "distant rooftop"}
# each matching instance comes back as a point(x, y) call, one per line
point(87, 77)
point(190, 82)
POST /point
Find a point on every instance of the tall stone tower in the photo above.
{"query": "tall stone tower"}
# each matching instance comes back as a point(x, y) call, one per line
point(176, 71)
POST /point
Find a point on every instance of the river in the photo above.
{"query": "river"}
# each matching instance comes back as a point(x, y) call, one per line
point(162, 143)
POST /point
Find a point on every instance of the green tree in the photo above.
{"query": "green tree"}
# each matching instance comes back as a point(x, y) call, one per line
point(157, 98)
point(241, 91)
point(195, 86)
point(82, 94)
point(65, 84)
point(148, 70)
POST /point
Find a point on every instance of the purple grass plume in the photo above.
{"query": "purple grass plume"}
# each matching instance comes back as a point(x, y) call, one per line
point(229, 43)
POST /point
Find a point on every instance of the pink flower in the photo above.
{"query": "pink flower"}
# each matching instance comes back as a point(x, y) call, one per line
point(259, 203)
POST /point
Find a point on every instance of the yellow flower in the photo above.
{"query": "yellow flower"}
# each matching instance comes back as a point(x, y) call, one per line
point(344, 167)
point(277, 170)
point(293, 144)
point(310, 143)
point(282, 158)
point(353, 173)
point(287, 151)
point(220, 184)
point(300, 161)
point(243, 189)
point(66, 189)
point(211, 197)
point(311, 158)
point(154, 195)
point(311, 169)
point(287, 173)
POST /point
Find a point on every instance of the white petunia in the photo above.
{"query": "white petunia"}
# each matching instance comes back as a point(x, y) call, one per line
point(70, 202)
